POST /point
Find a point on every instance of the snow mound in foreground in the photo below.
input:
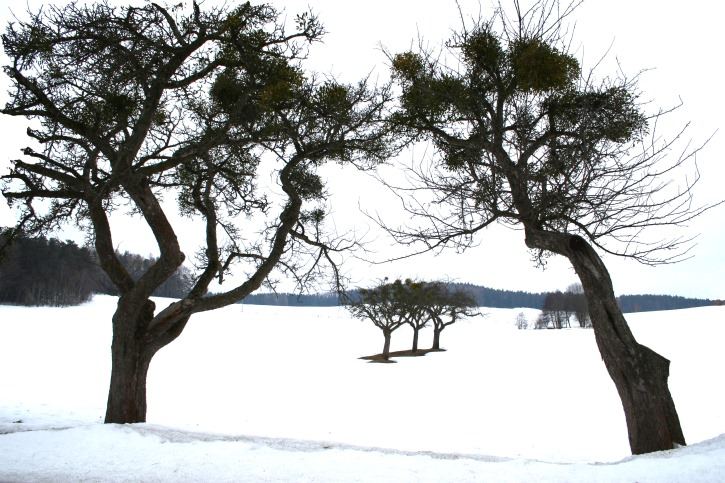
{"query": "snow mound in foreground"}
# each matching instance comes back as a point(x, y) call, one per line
point(145, 452)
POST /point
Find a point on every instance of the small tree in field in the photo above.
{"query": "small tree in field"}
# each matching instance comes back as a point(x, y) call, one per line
point(134, 104)
point(523, 138)
point(446, 306)
point(557, 307)
point(521, 322)
point(543, 320)
point(578, 303)
point(387, 306)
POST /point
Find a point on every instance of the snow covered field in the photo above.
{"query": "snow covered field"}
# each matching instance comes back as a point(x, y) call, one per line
point(256, 393)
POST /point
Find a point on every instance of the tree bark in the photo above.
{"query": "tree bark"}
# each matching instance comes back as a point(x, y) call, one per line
point(436, 338)
point(127, 391)
point(386, 346)
point(131, 352)
point(415, 340)
point(639, 373)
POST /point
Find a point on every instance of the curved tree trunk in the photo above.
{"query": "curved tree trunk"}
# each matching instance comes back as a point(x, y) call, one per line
point(639, 373)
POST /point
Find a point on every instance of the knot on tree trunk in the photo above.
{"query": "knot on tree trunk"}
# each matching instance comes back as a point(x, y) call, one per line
point(145, 315)
point(577, 243)
point(581, 250)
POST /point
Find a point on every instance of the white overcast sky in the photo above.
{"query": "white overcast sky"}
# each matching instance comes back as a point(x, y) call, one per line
point(680, 43)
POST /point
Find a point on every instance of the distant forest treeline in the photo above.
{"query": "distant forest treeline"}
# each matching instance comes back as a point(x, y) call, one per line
point(40, 271)
point(494, 298)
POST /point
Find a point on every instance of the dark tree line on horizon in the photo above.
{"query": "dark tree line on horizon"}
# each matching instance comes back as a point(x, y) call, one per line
point(495, 298)
point(47, 271)
point(40, 271)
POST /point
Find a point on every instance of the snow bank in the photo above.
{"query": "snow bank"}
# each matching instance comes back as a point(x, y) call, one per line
point(152, 453)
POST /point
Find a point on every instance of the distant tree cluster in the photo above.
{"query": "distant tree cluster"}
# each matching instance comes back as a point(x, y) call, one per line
point(390, 306)
point(522, 323)
point(40, 271)
point(504, 299)
point(47, 271)
point(509, 299)
point(559, 308)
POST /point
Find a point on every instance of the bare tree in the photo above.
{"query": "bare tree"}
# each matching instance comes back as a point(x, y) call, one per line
point(543, 321)
point(523, 138)
point(578, 303)
point(131, 104)
point(390, 305)
point(445, 306)
point(559, 307)
point(557, 310)
point(521, 322)
point(387, 306)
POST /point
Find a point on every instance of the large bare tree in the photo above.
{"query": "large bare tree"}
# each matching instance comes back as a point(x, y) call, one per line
point(132, 104)
point(524, 138)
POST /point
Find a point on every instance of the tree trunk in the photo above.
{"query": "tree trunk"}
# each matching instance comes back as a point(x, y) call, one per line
point(130, 358)
point(436, 338)
point(639, 373)
point(386, 346)
point(127, 391)
point(415, 340)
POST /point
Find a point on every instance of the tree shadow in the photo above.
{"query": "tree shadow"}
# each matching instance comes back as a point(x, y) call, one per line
point(378, 358)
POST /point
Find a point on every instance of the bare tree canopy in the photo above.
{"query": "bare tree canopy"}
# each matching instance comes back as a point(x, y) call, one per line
point(524, 137)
